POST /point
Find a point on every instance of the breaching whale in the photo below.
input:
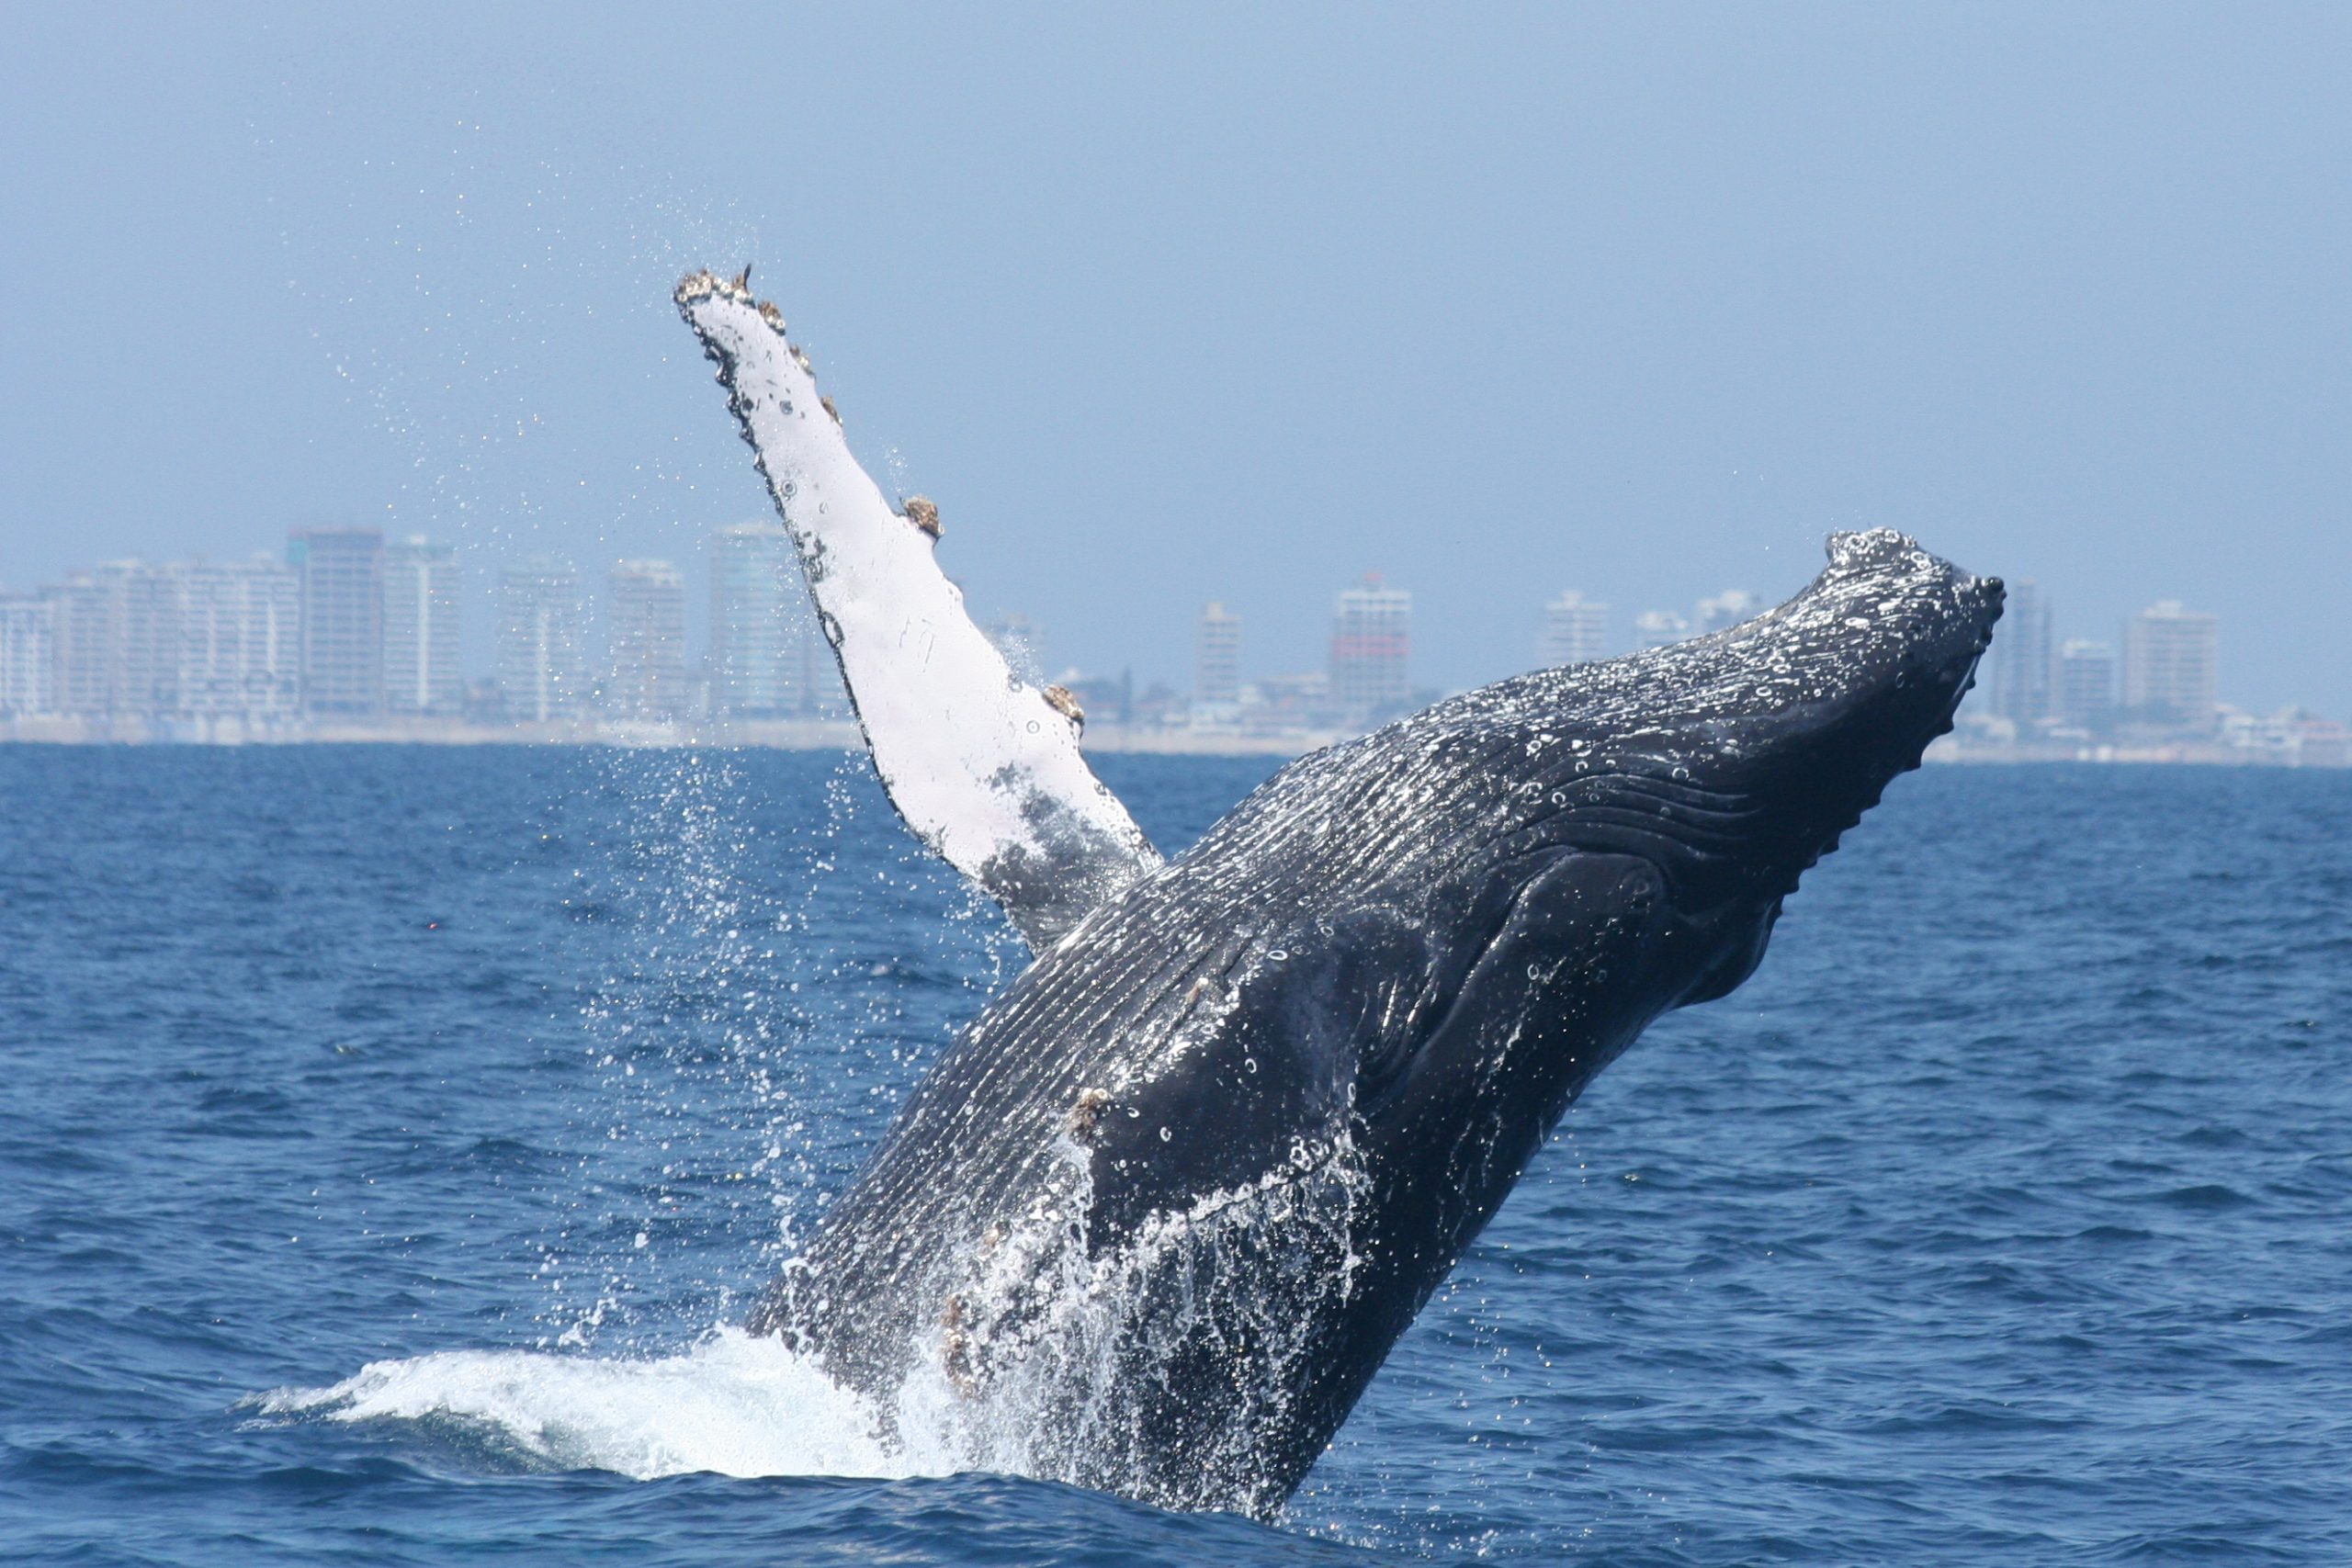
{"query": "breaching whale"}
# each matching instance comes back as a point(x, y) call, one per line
point(1153, 1221)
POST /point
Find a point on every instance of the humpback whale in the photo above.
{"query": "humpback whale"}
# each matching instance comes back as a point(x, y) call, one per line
point(1153, 1220)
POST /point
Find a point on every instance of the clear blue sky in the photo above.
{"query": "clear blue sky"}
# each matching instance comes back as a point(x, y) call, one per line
point(1168, 305)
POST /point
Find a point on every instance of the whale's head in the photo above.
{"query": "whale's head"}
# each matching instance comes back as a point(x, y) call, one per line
point(1735, 761)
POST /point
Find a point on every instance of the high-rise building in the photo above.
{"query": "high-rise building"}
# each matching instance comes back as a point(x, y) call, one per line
point(757, 656)
point(421, 669)
point(2085, 683)
point(1576, 631)
point(81, 677)
point(1657, 628)
point(2022, 668)
point(542, 657)
point(646, 638)
point(341, 574)
point(1216, 656)
point(1726, 610)
point(2169, 666)
point(114, 640)
point(1371, 650)
point(238, 648)
point(26, 656)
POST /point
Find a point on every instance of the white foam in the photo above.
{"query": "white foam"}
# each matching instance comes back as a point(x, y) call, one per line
point(735, 1405)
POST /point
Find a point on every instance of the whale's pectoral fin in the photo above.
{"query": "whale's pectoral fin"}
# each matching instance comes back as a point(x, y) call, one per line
point(984, 767)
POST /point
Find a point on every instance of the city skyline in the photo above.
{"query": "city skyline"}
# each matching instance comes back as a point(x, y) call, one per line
point(356, 626)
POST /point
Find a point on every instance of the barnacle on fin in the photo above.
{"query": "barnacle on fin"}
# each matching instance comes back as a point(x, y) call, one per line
point(924, 515)
point(1059, 699)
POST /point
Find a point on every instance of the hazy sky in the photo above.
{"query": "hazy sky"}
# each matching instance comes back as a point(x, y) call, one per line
point(1167, 305)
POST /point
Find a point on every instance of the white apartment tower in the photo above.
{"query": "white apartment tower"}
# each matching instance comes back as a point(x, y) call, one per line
point(2022, 665)
point(1216, 656)
point(238, 646)
point(421, 672)
point(646, 638)
point(2169, 666)
point(542, 658)
point(1576, 631)
point(756, 653)
point(114, 635)
point(26, 656)
point(1371, 650)
point(2085, 686)
point(341, 574)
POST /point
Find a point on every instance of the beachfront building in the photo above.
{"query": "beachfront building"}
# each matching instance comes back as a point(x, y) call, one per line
point(237, 639)
point(341, 575)
point(646, 640)
point(1217, 660)
point(1372, 650)
point(26, 656)
point(2085, 686)
point(1576, 631)
point(757, 611)
point(113, 635)
point(421, 670)
point(2170, 667)
point(542, 640)
point(2022, 666)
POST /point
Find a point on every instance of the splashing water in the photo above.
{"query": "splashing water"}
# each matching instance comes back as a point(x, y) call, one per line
point(734, 1404)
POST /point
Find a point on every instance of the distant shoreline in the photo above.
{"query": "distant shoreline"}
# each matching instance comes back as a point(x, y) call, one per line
point(843, 735)
point(783, 735)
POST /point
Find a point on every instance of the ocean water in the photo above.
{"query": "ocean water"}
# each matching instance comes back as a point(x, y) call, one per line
point(388, 1137)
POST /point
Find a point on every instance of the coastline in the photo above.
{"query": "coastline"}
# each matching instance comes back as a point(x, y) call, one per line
point(843, 735)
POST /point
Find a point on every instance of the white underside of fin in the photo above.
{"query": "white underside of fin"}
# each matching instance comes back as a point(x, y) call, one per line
point(985, 768)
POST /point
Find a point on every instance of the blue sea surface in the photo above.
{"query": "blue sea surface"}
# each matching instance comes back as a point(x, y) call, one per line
point(385, 1135)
